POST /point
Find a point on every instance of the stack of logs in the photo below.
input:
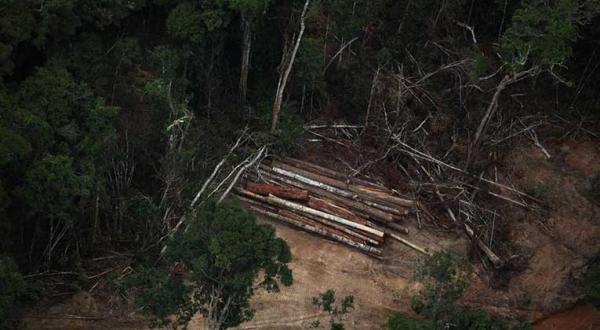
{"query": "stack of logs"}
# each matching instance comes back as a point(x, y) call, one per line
point(352, 211)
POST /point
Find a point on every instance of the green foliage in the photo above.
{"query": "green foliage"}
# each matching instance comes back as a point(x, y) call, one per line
point(326, 302)
point(12, 286)
point(52, 186)
point(595, 187)
point(247, 6)
point(64, 117)
point(445, 276)
point(538, 190)
point(592, 282)
point(224, 249)
point(160, 294)
point(461, 319)
point(289, 132)
point(398, 321)
point(185, 23)
point(543, 32)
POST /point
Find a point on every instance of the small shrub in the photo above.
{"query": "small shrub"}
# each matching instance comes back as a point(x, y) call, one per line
point(12, 287)
point(399, 321)
point(595, 187)
point(326, 302)
point(445, 276)
point(538, 190)
point(592, 282)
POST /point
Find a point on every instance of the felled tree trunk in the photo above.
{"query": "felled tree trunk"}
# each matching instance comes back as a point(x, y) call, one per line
point(265, 189)
point(246, 49)
point(285, 75)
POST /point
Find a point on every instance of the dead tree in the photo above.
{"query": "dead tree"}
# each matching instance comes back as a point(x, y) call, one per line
point(246, 48)
point(287, 62)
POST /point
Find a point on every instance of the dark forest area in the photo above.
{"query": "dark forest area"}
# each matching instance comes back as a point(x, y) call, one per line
point(123, 121)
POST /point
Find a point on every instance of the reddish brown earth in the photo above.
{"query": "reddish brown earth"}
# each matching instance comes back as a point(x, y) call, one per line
point(579, 318)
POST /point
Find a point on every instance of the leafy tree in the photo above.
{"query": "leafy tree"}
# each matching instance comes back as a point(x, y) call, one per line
point(543, 32)
point(399, 321)
point(592, 282)
point(185, 23)
point(56, 134)
point(224, 249)
point(12, 286)
point(326, 302)
point(445, 276)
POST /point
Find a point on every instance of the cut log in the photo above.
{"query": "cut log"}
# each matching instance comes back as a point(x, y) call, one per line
point(341, 188)
point(331, 226)
point(409, 244)
point(250, 202)
point(313, 229)
point(331, 208)
point(384, 196)
point(312, 175)
point(332, 173)
point(251, 195)
point(313, 182)
point(398, 227)
point(365, 236)
point(364, 210)
point(399, 211)
point(265, 189)
point(301, 208)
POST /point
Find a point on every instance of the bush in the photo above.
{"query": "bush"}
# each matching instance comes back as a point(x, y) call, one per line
point(399, 321)
point(12, 287)
point(326, 302)
point(592, 282)
point(445, 276)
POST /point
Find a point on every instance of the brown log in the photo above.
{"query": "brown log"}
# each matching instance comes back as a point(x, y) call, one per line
point(365, 210)
point(372, 251)
point(410, 244)
point(250, 202)
point(251, 195)
point(382, 195)
point(253, 204)
point(312, 175)
point(265, 189)
point(398, 227)
point(398, 211)
point(349, 233)
point(331, 208)
point(325, 219)
point(332, 173)
point(357, 192)
point(274, 200)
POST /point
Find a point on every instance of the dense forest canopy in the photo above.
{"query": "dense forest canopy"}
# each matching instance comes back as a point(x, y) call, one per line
point(113, 112)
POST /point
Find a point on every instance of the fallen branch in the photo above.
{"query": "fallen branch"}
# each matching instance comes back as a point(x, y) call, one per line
point(241, 171)
point(409, 244)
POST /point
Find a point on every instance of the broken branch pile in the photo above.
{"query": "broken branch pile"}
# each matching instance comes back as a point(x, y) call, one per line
point(322, 201)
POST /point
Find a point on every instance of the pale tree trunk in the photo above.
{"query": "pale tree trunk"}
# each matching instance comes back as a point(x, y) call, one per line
point(246, 49)
point(285, 73)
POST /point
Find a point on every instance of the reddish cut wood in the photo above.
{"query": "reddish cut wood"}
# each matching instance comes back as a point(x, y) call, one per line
point(265, 189)
point(331, 208)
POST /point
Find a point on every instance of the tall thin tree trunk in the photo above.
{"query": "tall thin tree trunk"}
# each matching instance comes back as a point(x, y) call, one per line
point(246, 49)
point(285, 74)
